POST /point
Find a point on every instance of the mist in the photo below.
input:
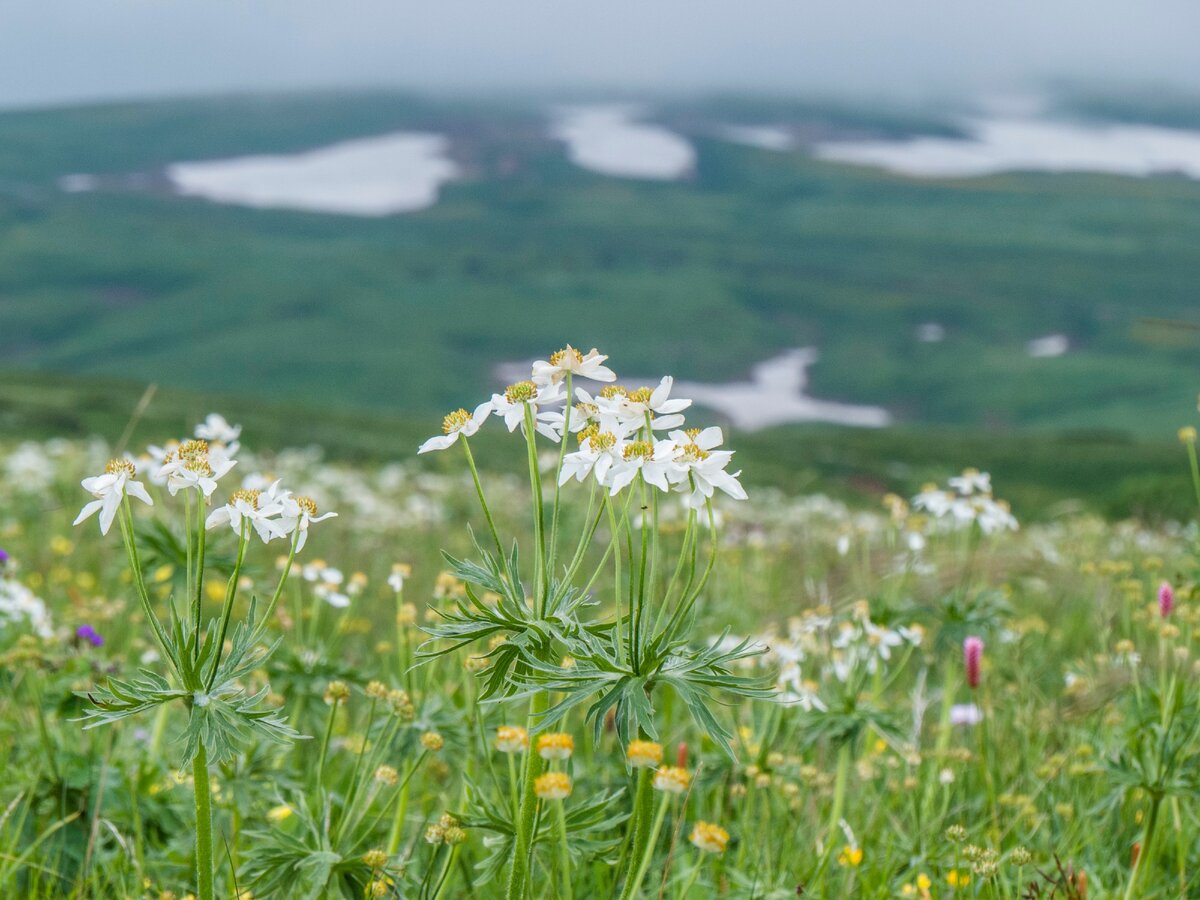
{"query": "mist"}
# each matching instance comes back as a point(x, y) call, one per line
point(79, 50)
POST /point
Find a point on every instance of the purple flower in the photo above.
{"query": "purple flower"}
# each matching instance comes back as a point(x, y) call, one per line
point(89, 634)
point(1166, 600)
point(972, 657)
point(3, 556)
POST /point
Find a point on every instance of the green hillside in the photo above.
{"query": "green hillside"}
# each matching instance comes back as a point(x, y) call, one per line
point(760, 251)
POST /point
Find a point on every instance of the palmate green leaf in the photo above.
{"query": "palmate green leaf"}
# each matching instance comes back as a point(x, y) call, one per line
point(120, 699)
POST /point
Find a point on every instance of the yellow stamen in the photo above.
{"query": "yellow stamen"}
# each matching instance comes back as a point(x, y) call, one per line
point(117, 466)
point(568, 352)
point(455, 420)
point(308, 505)
point(248, 495)
point(638, 449)
point(520, 392)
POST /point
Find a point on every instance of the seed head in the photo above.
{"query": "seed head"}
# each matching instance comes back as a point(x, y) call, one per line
point(644, 754)
point(555, 746)
point(432, 741)
point(375, 859)
point(972, 658)
point(709, 837)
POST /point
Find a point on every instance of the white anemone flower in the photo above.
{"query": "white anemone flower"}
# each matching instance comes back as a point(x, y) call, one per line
point(637, 404)
point(701, 467)
point(573, 361)
point(194, 465)
point(458, 422)
point(598, 452)
point(972, 481)
point(217, 429)
point(511, 405)
point(654, 460)
point(298, 513)
point(252, 506)
point(109, 490)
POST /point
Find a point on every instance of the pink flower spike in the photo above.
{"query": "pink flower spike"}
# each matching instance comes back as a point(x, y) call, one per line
point(1166, 600)
point(972, 657)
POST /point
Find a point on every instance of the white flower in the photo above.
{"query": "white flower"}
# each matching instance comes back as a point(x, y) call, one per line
point(400, 571)
point(511, 405)
point(215, 428)
point(109, 490)
point(972, 481)
point(195, 465)
point(571, 360)
point(458, 422)
point(18, 602)
point(298, 513)
point(643, 402)
point(654, 460)
point(599, 450)
point(965, 714)
point(700, 468)
point(253, 506)
point(934, 501)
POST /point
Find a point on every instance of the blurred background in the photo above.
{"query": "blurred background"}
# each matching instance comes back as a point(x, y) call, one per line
point(879, 242)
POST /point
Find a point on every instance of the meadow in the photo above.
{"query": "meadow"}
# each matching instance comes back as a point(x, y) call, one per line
point(577, 658)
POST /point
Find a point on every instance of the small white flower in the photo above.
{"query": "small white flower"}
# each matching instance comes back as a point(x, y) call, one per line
point(972, 481)
point(458, 422)
point(636, 405)
point(395, 580)
point(571, 360)
point(511, 405)
point(195, 465)
point(965, 714)
point(109, 490)
point(256, 507)
point(654, 460)
point(215, 428)
point(701, 467)
point(298, 513)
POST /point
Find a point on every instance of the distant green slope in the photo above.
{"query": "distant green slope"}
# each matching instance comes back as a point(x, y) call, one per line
point(760, 252)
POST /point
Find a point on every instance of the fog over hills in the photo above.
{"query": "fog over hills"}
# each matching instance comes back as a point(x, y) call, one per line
point(74, 50)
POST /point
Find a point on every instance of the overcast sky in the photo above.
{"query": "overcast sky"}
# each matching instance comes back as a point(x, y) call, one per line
point(65, 50)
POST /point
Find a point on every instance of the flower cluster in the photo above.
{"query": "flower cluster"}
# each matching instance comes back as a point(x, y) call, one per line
point(618, 429)
point(199, 464)
point(967, 500)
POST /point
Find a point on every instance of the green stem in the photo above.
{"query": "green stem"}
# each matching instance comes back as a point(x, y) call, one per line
point(835, 813)
point(325, 741)
point(519, 871)
point(201, 542)
point(631, 888)
point(204, 842)
point(1144, 852)
point(562, 452)
point(641, 827)
point(230, 596)
point(565, 850)
point(487, 512)
point(541, 578)
point(1195, 465)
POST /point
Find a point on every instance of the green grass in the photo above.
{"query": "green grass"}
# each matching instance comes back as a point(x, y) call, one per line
point(759, 252)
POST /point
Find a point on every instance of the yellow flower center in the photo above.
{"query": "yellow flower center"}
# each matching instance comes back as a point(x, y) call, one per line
point(693, 433)
point(610, 391)
point(250, 497)
point(195, 447)
point(587, 410)
point(308, 505)
point(566, 353)
point(199, 465)
point(641, 395)
point(638, 450)
point(602, 440)
point(455, 420)
point(587, 434)
point(119, 466)
point(692, 453)
point(520, 392)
